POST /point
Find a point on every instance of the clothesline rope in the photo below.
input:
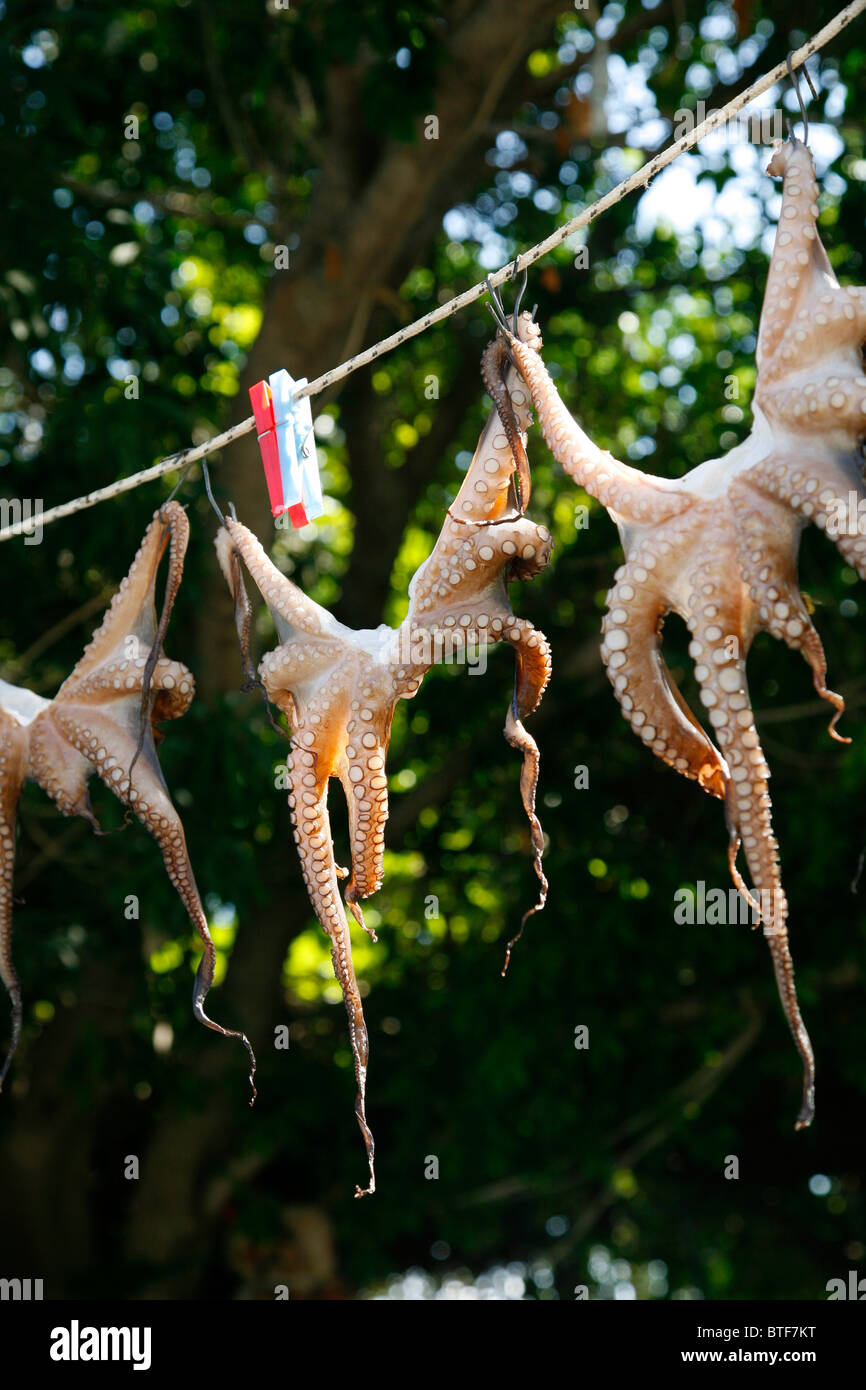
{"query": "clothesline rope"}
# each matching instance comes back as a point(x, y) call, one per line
point(640, 179)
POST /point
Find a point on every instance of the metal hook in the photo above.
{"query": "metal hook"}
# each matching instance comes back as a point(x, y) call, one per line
point(795, 83)
point(210, 496)
point(520, 293)
point(180, 480)
point(495, 306)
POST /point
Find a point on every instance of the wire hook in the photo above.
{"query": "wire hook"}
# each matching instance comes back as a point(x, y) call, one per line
point(795, 83)
point(210, 496)
point(520, 293)
point(181, 480)
point(496, 307)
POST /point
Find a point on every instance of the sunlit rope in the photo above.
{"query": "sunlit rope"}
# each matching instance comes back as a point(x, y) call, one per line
point(640, 179)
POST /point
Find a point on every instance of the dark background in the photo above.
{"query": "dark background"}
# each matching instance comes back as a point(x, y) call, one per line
point(303, 128)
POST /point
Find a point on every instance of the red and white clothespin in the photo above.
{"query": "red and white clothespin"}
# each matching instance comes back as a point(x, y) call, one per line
point(285, 433)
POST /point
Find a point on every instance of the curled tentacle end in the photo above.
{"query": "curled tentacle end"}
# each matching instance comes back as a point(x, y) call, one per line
point(367, 1133)
point(203, 982)
point(530, 912)
point(807, 1109)
point(517, 736)
point(353, 904)
point(839, 704)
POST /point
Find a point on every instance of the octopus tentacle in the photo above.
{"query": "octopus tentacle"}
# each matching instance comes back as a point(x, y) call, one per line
point(131, 612)
point(204, 975)
point(718, 647)
point(146, 795)
point(148, 798)
point(366, 789)
point(798, 256)
point(625, 491)
point(644, 687)
point(229, 558)
point(810, 374)
point(290, 607)
point(819, 405)
point(61, 769)
point(771, 575)
point(243, 614)
point(175, 526)
point(832, 496)
point(531, 675)
point(174, 520)
point(493, 362)
point(308, 801)
point(487, 491)
point(649, 696)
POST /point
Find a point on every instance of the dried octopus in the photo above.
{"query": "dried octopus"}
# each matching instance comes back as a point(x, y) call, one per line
point(720, 545)
point(103, 720)
point(338, 687)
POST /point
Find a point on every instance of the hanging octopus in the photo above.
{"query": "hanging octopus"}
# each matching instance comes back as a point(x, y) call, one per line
point(103, 720)
point(720, 546)
point(338, 687)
